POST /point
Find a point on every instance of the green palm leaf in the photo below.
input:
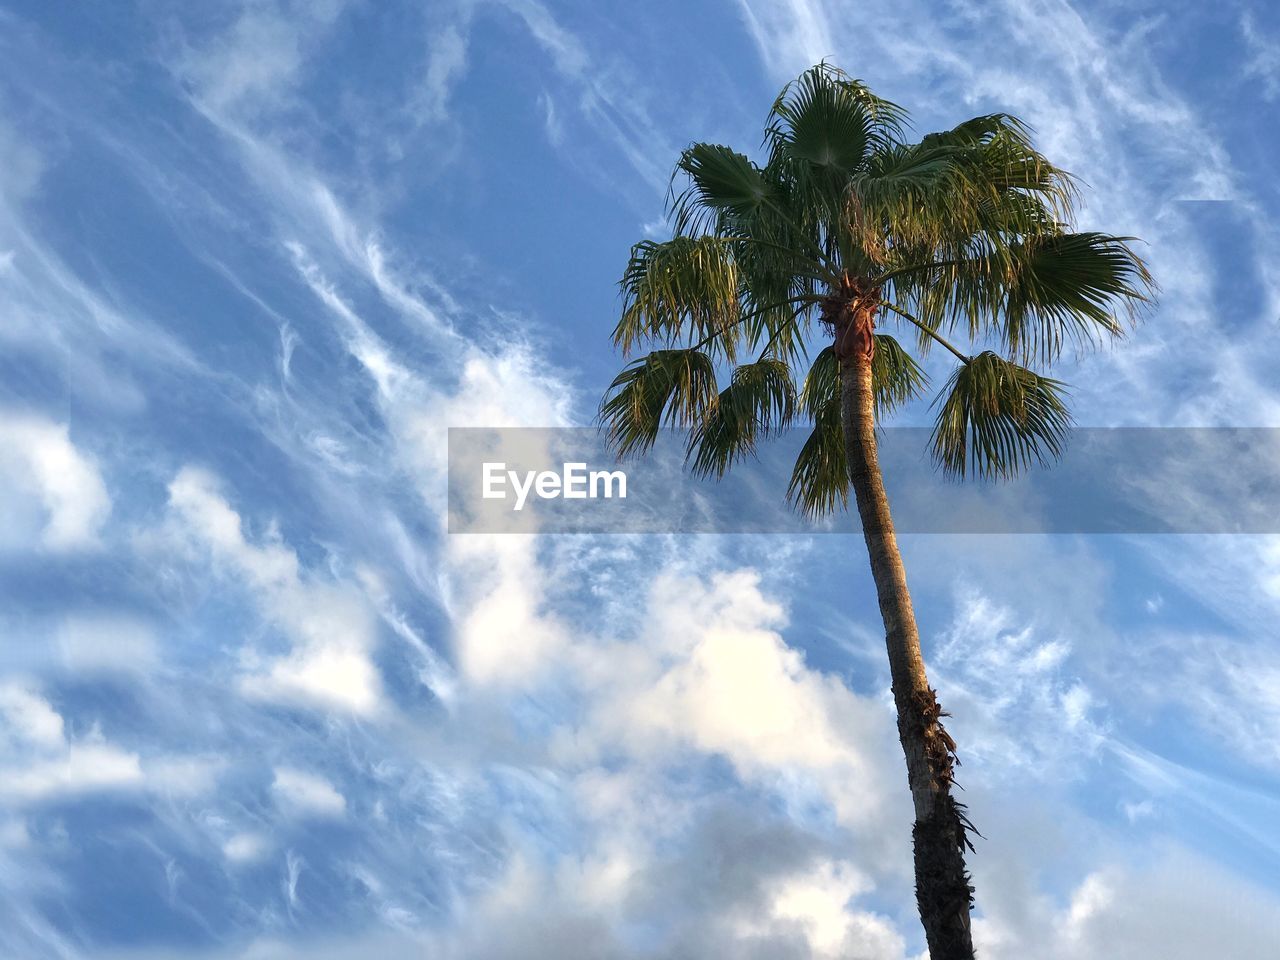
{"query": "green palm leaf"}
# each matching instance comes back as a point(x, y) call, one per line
point(760, 400)
point(895, 375)
point(1066, 288)
point(666, 387)
point(687, 285)
point(829, 126)
point(895, 378)
point(998, 418)
point(820, 479)
point(722, 184)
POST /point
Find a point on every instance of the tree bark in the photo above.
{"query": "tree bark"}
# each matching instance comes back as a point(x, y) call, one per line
point(943, 892)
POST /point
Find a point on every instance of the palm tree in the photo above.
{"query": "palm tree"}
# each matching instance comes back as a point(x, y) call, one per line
point(964, 234)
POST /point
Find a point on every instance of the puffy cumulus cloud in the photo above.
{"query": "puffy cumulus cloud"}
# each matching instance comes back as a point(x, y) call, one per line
point(83, 767)
point(711, 673)
point(52, 495)
point(29, 718)
point(332, 625)
point(504, 634)
point(305, 794)
point(496, 585)
point(42, 761)
point(735, 885)
point(817, 901)
point(1177, 905)
point(644, 830)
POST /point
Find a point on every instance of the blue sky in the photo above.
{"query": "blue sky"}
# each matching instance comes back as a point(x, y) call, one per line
point(257, 256)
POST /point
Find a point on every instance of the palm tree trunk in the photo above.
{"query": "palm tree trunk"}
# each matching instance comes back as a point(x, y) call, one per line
point(943, 892)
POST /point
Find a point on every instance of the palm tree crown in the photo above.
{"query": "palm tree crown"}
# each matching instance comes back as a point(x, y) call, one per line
point(963, 236)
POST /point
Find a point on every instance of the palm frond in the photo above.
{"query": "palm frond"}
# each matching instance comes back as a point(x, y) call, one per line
point(666, 387)
point(820, 392)
point(978, 130)
point(895, 375)
point(998, 153)
point(823, 122)
point(908, 198)
point(963, 193)
point(998, 418)
point(685, 286)
point(1073, 287)
point(760, 400)
point(824, 90)
point(820, 478)
point(895, 378)
point(1036, 294)
point(721, 182)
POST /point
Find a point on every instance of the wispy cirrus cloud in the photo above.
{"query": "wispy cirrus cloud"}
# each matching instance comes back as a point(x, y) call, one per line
point(1263, 62)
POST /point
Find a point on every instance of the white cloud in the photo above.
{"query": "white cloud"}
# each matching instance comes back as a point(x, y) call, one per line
point(550, 119)
point(29, 718)
point(40, 760)
point(710, 672)
point(332, 626)
point(504, 634)
point(106, 643)
point(52, 494)
point(1226, 685)
point(533, 913)
point(1017, 707)
point(446, 60)
point(607, 98)
point(494, 584)
point(791, 35)
point(307, 794)
point(1178, 907)
point(1263, 63)
point(83, 767)
point(254, 65)
point(334, 630)
point(245, 847)
point(819, 900)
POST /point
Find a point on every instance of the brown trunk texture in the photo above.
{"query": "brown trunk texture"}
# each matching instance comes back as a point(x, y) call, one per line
point(943, 892)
